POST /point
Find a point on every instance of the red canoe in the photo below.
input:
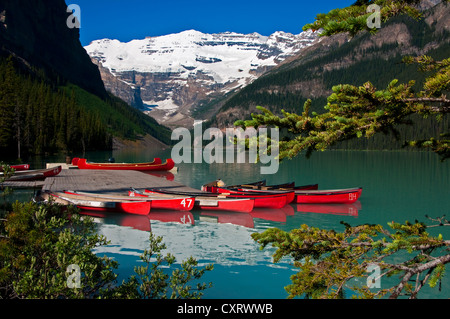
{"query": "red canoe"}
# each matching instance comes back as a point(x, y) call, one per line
point(210, 201)
point(336, 196)
point(305, 194)
point(261, 185)
point(156, 165)
point(179, 203)
point(262, 199)
point(156, 160)
point(33, 175)
point(20, 167)
point(97, 204)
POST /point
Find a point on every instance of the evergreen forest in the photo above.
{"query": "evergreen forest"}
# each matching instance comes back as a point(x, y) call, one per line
point(42, 114)
point(379, 65)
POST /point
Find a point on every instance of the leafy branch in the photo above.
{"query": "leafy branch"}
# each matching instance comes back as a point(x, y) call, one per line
point(330, 260)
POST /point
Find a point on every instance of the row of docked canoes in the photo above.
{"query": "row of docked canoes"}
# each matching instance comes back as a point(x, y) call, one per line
point(25, 174)
point(238, 198)
point(156, 165)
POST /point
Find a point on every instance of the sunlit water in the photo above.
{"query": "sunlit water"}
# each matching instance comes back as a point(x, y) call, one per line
point(397, 186)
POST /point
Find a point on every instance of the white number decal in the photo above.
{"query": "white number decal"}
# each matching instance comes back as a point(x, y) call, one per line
point(188, 200)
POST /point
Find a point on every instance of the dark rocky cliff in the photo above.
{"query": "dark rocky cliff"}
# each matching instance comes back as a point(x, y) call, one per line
point(35, 31)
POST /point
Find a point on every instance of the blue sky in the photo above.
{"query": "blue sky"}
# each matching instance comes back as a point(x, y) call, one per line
point(136, 19)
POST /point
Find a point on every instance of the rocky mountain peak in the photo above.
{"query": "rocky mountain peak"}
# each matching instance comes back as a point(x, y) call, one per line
point(172, 77)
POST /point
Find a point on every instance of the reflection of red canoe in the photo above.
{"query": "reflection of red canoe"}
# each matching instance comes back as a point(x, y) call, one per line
point(33, 175)
point(161, 174)
point(332, 209)
point(337, 196)
point(139, 222)
point(172, 217)
point(275, 215)
point(97, 204)
point(210, 201)
point(240, 219)
point(156, 165)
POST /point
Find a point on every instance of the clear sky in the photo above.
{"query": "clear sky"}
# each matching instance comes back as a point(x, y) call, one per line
point(135, 19)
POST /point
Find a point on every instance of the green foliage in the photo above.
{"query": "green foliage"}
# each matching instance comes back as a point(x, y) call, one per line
point(330, 261)
point(38, 243)
point(43, 118)
point(152, 282)
point(38, 115)
point(118, 117)
point(37, 246)
point(360, 62)
point(356, 111)
point(353, 19)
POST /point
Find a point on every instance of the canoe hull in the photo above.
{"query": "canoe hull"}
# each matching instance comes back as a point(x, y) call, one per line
point(156, 165)
point(233, 205)
point(19, 167)
point(97, 204)
point(211, 201)
point(262, 200)
point(345, 196)
point(34, 175)
point(171, 203)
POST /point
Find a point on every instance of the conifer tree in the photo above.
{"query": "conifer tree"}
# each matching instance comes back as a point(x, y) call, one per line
point(361, 111)
point(7, 98)
point(328, 260)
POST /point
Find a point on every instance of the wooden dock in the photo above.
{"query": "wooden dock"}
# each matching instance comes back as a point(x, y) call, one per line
point(109, 181)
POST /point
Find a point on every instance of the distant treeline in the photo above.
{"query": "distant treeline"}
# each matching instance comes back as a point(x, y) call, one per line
point(41, 114)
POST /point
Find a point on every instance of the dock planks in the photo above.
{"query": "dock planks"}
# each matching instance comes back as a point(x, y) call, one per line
point(108, 181)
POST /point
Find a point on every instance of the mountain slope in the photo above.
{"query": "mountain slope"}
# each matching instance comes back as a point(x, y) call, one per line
point(36, 32)
point(52, 97)
point(337, 59)
point(176, 75)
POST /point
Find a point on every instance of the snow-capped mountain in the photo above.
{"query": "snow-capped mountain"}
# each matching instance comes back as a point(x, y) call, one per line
point(170, 76)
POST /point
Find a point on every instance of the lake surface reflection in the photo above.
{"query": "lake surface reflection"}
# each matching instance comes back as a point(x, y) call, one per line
point(397, 186)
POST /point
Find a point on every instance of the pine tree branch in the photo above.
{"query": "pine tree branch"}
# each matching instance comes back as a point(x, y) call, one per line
point(443, 108)
point(416, 270)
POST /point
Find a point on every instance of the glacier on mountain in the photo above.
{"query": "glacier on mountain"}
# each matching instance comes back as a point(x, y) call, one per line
point(175, 73)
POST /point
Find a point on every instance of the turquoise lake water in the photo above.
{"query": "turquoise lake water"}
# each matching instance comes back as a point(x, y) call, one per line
point(397, 186)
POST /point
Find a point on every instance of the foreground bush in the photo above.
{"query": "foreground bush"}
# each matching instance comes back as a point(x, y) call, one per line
point(46, 251)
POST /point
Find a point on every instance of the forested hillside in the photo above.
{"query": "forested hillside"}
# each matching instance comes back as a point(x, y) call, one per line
point(337, 60)
point(39, 115)
point(52, 97)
